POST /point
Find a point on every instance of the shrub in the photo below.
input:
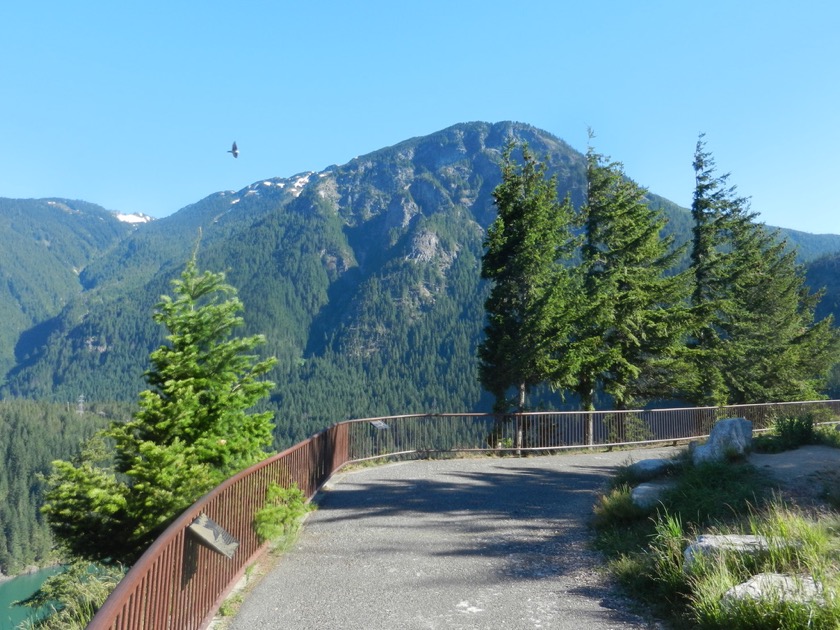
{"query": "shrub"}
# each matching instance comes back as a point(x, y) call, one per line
point(281, 515)
point(795, 431)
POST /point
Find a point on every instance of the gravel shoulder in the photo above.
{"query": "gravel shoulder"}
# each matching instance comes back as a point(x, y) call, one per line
point(448, 544)
point(803, 474)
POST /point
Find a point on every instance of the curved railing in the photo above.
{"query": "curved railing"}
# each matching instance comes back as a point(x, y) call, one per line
point(179, 583)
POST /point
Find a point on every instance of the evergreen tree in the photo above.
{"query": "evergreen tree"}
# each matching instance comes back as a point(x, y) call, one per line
point(774, 351)
point(718, 213)
point(530, 305)
point(636, 317)
point(192, 431)
point(755, 339)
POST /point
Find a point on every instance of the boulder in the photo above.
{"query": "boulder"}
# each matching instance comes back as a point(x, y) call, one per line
point(712, 544)
point(729, 437)
point(777, 587)
point(646, 495)
point(647, 469)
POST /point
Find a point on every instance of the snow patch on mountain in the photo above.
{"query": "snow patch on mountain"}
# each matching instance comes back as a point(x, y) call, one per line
point(135, 218)
point(301, 181)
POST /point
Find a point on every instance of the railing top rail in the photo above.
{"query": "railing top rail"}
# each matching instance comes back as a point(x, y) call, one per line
point(474, 414)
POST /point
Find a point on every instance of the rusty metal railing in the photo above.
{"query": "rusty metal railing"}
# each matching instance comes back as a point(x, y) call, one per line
point(178, 584)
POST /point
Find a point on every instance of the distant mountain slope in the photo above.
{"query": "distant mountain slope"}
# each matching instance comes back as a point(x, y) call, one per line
point(45, 244)
point(363, 277)
point(824, 273)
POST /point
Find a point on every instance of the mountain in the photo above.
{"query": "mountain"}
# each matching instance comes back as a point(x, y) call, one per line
point(824, 273)
point(364, 278)
point(45, 244)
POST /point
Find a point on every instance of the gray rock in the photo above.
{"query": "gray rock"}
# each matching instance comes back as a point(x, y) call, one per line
point(647, 495)
point(712, 544)
point(648, 469)
point(777, 587)
point(732, 436)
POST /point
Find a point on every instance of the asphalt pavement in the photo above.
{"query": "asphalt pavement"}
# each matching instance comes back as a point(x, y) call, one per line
point(461, 543)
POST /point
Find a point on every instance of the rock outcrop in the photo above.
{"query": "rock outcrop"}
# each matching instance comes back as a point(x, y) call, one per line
point(728, 438)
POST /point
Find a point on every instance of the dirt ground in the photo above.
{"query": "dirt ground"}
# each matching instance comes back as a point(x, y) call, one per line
point(805, 475)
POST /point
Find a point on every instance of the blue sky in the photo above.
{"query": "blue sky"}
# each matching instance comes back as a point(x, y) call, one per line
point(134, 105)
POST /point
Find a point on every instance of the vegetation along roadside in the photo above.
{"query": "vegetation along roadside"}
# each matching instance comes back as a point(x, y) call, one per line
point(646, 548)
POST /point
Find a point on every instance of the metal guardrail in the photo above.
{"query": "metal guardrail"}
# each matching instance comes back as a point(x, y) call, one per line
point(178, 584)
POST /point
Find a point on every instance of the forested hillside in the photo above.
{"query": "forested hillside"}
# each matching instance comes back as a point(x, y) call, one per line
point(33, 435)
point(45, 244)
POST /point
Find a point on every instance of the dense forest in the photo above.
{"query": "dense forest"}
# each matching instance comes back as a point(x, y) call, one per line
point(33, 435)
point(365, 279)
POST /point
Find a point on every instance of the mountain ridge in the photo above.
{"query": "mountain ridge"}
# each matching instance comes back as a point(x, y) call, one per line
point(363, 276)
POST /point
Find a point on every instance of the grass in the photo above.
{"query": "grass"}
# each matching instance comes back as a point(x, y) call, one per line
point(645, 547)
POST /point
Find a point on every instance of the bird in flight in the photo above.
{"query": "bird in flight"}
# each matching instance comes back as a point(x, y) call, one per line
point(234, 150)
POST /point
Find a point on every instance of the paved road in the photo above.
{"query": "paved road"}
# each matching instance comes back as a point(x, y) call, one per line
point(469, 543)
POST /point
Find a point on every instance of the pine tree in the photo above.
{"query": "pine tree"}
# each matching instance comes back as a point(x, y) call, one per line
point(531, 304)
point(193, 429)
point(636, 317)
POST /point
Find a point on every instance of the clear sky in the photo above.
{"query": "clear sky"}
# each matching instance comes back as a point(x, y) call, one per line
point(133, 105)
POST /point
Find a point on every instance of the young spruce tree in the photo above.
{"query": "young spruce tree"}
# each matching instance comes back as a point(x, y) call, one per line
point(193, 429)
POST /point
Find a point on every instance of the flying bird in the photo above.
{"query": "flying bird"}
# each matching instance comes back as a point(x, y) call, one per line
point(234, 150)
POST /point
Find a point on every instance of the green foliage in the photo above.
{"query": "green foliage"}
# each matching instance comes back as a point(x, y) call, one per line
point(718, 499)
point(74, 595)
point(281, 515)
point(800, 547)
point(34, 434)
point(633, 326)
point(626, 428)
point(193, 430)
point(788, 433)
point(531, 307)
point(666, 554)
point(715, 491)
point(85, 505)
point(231, 605)
point(616, 508)
point(755, 337)
point(44, 243)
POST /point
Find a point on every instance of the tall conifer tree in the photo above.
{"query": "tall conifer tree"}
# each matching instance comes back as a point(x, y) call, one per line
point(755, 339)
point(633, 330)
point(531, 302)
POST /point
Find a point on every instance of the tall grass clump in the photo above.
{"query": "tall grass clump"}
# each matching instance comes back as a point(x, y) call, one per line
point(790, 432)
point(715, 492)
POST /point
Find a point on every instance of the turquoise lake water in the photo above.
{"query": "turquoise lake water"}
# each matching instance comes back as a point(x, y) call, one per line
point(16, 589)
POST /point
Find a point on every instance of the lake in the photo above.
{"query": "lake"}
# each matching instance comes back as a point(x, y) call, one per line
point(16, 589)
